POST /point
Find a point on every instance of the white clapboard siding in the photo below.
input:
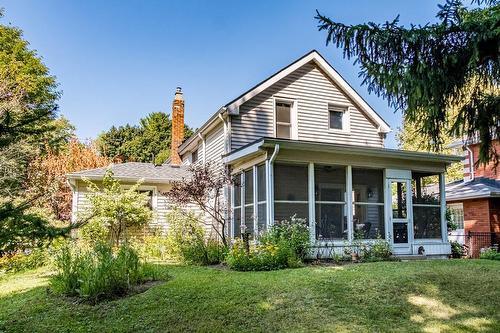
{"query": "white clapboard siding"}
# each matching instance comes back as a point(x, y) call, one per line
point(214, 144)
point(312, 90)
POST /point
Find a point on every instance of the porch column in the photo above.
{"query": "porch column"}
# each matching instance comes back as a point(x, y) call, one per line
point(312, 207)
point(442, 194)
point(348, 200)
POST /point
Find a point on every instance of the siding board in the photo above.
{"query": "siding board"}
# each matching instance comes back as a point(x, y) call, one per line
point(312, 90)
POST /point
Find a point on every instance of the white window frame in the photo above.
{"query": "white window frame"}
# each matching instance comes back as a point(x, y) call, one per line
point(460, 207)
point(346, 118)
point(154, 198)
point(293, 116)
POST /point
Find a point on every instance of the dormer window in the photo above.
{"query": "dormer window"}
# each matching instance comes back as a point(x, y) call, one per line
point(283, 120)
point(338, 117)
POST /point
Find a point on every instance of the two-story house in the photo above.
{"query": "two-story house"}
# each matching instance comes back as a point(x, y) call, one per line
point(474, 202)
point(303, 142)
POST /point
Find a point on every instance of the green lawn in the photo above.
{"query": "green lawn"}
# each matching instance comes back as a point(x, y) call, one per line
point(423, 296)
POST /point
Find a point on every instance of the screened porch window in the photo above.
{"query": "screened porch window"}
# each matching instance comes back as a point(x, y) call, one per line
point(283, 120)
point(457, 214)
point(290, 191)
point(368, 203)
point(330, 202)
point(249, 215)
point(426, 205)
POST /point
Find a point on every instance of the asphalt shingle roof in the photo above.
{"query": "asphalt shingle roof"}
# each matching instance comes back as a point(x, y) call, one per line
point(135, 171)
point(477, 188)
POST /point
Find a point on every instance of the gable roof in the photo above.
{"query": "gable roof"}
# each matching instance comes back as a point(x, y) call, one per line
point(132, 171)
point(233, 106)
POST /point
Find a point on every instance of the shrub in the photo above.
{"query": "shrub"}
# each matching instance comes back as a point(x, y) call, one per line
point(100, 273)
point(25, 260)
point(457, 250)
point(283, 245)
point(187, 242)
point(379, 250)
point(490, 254)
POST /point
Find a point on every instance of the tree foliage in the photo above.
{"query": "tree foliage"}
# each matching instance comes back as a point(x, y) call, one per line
point(147, 142)
point(205, 190)
point(28, 124)
point(424, 71)
point(47, 175)
point(117, 208)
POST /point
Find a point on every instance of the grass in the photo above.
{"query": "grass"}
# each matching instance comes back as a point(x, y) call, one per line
point(420, 296)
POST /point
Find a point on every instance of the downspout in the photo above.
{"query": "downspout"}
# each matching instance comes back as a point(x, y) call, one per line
point(202, 138)
point(471, 162)
point(226, 138)
point(270, 187)
point(226, 188)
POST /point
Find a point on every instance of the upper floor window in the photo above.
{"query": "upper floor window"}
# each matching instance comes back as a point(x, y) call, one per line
point(194, 156)
point(337, 117)
point(283, 120)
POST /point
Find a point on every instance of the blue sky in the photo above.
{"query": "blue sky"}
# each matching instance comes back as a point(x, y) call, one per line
point(117, 61)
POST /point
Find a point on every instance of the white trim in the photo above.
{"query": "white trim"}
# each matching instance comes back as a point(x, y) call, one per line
point(442, 194)
point(255, 203)
point(233, 108)
point(294, 118)
point(346, 118)
point(312, 205)
point(348, 201)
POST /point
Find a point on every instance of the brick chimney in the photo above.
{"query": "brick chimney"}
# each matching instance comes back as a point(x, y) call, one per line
point(177, 127)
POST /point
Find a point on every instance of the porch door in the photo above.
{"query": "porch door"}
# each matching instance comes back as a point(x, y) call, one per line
point(399, 228)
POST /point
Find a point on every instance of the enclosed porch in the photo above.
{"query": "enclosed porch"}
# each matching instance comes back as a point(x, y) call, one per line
point(343, 193)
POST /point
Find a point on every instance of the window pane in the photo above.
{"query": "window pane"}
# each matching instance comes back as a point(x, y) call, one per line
point(249, 220)
point(194, 156)
point(398, 194)
point(427, 222)
point(457, 214)
point(261, 180)
point(290, 182)
point(330, 222)
point(237, 222)
point(283, 131)
point(237, 190)
point(149, 193)
point(425, 188)
point(400, 233)
point(329, 183)
point(262, 218)
point(284, 211)
point(367, 185)
point(368, 221)
point(283, 112)
point(248, 186)
point(336, 119)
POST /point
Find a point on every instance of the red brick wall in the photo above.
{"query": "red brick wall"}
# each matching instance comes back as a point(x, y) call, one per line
point(477, 215)
point(487, 171)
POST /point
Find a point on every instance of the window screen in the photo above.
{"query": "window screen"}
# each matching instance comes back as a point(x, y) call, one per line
point(336, 115)
point(368, 203)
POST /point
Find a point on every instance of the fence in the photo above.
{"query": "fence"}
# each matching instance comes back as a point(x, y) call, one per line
point(475, 241)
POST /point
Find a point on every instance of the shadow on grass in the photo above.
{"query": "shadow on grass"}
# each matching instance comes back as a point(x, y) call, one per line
point(384, 297)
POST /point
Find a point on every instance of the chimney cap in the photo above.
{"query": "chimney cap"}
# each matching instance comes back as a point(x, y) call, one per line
point(178, 94)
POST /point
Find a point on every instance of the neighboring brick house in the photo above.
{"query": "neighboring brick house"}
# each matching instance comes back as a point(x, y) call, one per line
point(475, 201)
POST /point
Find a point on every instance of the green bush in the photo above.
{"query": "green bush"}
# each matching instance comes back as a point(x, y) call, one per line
point(284, 245)
point(187, 242)
point(21, 261)
point(457, 250)
point(100, 273)
point(378, 250)
point(490, 254)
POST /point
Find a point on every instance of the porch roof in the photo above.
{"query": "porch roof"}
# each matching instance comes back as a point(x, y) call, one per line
point(262, 145)
point(473, 189)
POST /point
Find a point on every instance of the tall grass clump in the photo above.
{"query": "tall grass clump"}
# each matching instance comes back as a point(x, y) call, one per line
point(100, 272)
